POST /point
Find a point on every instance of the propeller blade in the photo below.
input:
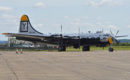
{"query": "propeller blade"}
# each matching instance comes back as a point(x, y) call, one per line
point(121, 36)
point(111, 32)
point(116, 41)
point(117, 32)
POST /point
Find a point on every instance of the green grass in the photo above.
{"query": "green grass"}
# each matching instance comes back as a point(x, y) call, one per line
point(100, 48)
point(71, 49)
point(122, 47)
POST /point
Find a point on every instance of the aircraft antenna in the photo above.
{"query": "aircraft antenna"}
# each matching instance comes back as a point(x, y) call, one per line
point(61, 36)
point(61, 29)
point(102, 30)
point(79, 31)
point(79, 37)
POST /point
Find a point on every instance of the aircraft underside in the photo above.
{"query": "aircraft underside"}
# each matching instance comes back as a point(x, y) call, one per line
point(63, 43)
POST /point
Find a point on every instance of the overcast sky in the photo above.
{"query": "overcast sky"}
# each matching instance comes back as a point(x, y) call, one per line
point(48, 15)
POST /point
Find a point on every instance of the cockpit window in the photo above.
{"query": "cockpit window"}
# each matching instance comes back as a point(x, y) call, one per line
point(106, 34)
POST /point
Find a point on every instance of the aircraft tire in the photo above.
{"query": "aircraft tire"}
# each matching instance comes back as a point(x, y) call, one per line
point(111, 49)
point(61, 48)
point(86, 48)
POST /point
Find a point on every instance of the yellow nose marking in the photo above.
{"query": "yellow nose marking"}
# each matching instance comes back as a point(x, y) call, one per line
point(110, 40)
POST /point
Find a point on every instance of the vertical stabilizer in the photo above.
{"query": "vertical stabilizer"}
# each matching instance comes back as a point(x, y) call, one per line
point(26, 27)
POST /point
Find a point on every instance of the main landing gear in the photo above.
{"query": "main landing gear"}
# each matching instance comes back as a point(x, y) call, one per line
point(62, 48)
point(86, 48)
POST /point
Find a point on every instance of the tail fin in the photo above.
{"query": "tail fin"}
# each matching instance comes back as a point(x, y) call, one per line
point(26, 27)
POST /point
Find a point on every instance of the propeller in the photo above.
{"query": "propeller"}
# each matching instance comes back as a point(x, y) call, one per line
point(115, 36)
point(114, 39)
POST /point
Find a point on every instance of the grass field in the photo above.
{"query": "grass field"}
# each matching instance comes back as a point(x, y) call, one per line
point(100, 48)
point(92, 48)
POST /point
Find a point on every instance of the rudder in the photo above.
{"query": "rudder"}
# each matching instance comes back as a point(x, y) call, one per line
point(26, 27)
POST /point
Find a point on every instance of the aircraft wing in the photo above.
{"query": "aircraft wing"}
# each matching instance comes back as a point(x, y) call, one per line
point(121, 36)
point(23, 35)
point(52, 39)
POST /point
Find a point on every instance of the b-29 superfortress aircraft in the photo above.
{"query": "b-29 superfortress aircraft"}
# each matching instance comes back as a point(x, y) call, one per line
point(28, 33)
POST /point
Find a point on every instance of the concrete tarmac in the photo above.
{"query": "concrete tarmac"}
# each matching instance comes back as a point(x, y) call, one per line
point(95, 65)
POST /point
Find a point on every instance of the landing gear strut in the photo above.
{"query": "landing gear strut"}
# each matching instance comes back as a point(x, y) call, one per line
point(86, 48)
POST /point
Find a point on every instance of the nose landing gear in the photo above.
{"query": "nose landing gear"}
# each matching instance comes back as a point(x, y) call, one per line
point(111, 48)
